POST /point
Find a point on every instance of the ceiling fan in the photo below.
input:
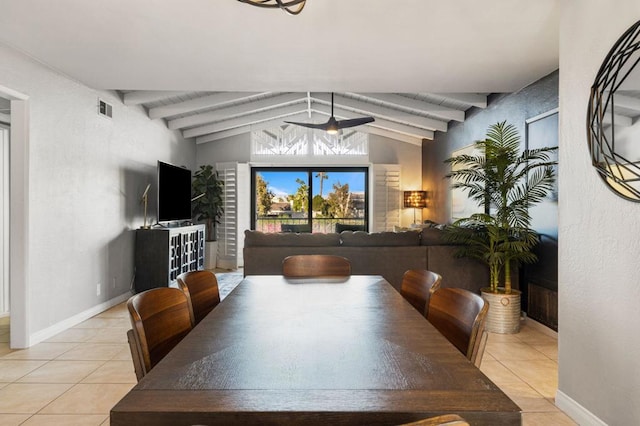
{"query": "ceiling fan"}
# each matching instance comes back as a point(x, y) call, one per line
point(333, 126)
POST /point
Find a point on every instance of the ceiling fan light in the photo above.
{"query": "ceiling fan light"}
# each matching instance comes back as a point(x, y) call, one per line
point(332, 130)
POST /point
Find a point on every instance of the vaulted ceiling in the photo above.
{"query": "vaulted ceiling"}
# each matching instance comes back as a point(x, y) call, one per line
point(227, 67)
point(210, 116)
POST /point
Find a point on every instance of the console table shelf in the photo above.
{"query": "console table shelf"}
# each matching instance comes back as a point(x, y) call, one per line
point(162, 254)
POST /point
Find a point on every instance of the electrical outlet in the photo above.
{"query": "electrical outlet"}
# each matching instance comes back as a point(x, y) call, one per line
point(98, 289)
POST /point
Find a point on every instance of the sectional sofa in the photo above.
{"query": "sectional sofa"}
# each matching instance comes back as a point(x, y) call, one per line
point(389, 254)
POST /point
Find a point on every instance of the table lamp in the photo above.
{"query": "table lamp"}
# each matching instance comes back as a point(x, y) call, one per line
point(416, 200)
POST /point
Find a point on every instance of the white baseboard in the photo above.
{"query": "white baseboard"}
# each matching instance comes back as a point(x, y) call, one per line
point(577, 412)
point(51, 331)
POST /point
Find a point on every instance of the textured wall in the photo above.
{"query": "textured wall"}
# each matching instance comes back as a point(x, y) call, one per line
point(535, 99)
point(86, 176)
point(599, 291)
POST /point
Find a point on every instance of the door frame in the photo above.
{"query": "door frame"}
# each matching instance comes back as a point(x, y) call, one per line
point(18, 218)
point(4, 217)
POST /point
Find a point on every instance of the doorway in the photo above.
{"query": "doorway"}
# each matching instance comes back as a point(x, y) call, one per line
point(15, 224)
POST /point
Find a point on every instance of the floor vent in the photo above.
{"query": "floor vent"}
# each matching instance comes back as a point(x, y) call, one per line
point(105, 109)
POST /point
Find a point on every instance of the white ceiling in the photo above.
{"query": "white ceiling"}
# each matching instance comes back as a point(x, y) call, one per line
point(354, 47)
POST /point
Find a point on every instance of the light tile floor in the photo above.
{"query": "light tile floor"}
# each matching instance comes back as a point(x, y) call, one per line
point(75, 377)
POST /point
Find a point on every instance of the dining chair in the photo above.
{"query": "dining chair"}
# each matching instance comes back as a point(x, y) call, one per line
point(460, 316)
point(201, 288)
point(160, 318)
point(444, 420)
point(316, 265)
point(476, 359)
point(295, 228)
point(417, 287)
point(136, 356)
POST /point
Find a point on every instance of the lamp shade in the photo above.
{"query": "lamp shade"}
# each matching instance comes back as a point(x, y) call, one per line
point(415, 199)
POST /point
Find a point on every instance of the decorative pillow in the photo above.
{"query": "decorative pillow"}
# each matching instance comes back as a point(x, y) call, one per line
point(380, 239)
point(291, 239)
point(421, 225)
point(397, 228)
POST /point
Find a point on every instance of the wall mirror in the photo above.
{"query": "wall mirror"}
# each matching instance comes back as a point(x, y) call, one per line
point(613, 118)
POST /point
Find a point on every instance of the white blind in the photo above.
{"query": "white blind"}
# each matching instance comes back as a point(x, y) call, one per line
point(386, 197)
point(227, 229)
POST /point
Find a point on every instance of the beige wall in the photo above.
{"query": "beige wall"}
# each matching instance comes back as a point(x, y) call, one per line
point(599, 248)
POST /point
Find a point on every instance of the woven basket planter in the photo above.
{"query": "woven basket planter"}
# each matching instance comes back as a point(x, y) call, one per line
point(504, 311)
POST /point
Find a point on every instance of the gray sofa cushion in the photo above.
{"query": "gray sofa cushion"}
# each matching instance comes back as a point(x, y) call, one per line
point(432, 237)
point(379, 239)
point(261, 239)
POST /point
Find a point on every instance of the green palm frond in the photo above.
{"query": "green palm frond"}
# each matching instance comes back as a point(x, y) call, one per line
point(507, 183)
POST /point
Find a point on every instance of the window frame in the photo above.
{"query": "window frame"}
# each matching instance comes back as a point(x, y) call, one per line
point(310, 171)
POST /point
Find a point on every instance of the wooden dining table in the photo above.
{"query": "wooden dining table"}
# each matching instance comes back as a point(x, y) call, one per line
point(314, 351)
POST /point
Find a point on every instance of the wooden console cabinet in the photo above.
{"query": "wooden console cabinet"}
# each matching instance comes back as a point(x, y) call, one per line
point(161, 254)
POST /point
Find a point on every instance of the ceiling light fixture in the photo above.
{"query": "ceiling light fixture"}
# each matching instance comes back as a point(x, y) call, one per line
point(334, 126)
point(292, 7)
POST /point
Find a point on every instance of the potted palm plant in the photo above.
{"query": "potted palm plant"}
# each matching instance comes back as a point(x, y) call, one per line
point(506, 183)
point(207, 206)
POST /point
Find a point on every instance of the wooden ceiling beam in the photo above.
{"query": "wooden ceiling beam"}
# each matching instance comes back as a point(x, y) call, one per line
point(245, 120)
point(263, 125)
point(394, 100)
point(235, 111)
point(218, 99)
point(382, 112)
point(140, 97)
point(380, 123)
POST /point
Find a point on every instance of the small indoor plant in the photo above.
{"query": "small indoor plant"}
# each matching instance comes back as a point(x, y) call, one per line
point(506, 183)
point(207, 206)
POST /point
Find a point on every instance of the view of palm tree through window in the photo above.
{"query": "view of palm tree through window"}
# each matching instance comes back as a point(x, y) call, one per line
point(309, 199)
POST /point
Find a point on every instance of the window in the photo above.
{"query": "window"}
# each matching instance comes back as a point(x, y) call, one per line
point(294, 142)
point(309, 199)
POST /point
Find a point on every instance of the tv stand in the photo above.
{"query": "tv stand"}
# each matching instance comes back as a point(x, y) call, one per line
point(161, 254)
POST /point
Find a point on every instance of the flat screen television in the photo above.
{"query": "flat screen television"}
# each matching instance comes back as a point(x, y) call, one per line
point(174, 193)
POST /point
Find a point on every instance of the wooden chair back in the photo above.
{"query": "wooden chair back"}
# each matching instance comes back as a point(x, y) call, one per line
point(460, 316)
point(476, 358)
point(417, 287)
point(295, 228)
point(136, 356)
point(201, 288)
point(316, 265)
point(160, 318)
point(444, 420)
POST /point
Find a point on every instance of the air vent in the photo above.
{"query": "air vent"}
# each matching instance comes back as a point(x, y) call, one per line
point(105, 109)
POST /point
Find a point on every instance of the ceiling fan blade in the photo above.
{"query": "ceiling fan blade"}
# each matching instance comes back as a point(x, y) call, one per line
point(322, 126)
point(343, 124)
